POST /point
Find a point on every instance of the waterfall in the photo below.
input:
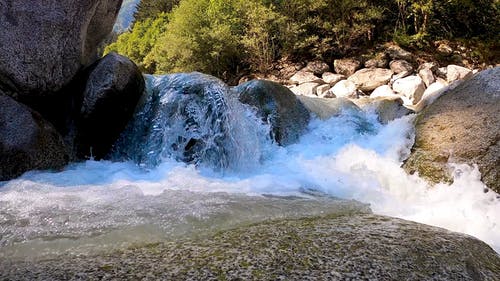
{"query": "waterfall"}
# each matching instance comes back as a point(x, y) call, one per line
point(193, 118)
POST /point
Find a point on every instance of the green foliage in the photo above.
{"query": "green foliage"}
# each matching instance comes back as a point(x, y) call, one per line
point(222, 36)
point(149, 9)
point(138, 43)
point(201, 35)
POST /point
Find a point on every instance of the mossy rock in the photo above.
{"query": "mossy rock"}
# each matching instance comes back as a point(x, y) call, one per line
point(462, 126)
point(345, 247)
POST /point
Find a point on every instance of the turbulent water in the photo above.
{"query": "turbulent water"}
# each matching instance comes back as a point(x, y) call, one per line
point(157, 195)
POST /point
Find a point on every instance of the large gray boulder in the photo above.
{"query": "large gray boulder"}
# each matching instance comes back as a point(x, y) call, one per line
point(114, 86)
point(462, 126)
point(345, 247)
point(27, 141)
point(43, 44)
point(287, 115)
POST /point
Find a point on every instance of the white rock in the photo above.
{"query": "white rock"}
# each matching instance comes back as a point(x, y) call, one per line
point(455, 72)
point(434, 91)
point(332, 78)
point(305, 89)
point(427, 76)
point(384, 91)
point(411, 87)
point(345, 89)
point(368, 79)
point(302, 77)
point(322, 91)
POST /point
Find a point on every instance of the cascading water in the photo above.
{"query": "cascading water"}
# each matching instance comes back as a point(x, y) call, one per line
point(191, 118)
point(207, 163)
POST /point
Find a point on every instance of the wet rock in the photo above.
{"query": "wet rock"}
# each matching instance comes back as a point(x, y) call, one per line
point(306, 89)
point(345, 89)
point(347, 247)
point(462, 126)
point(332, 78)
point(346, 67)
point(411, 87)
point(317, 67)
point(114, 86)
point(368, 79)
point(302, 77)
point(455, 72)
point(387, 108)
point(327, 108)
point(287, 115)
point(43, 44)
point(27, 141)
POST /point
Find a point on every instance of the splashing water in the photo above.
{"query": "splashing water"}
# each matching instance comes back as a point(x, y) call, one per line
point(352, 156)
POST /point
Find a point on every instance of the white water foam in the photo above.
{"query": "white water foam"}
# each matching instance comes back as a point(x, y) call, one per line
point(335, 157)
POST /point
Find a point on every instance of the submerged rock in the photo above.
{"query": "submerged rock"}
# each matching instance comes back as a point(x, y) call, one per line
point(327, 108)
point(113, 88)
point(346, 247)
point(190, 117)
point(27, 141)
point(277, 105)
point(387, 108)
point(43, 44)
point(462, 126)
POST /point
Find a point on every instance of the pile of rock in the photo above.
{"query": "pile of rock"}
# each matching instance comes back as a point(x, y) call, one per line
point(388, 75)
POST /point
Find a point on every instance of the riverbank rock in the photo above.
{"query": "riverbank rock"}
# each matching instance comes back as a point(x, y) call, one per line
point(346, 67)
point(302, 77)
point(27, 141)
point(462, 126)
point(346, 247)
point(317, 67)
point(114, 86)
point(455, 72)
point(43, 44)
point(411, 87)
point(368, 79)
point(345, 89)
point(287, 115)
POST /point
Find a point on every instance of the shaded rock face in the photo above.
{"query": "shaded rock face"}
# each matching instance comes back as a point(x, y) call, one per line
point(346, 67)
point(277, 105)
point(462, 126)
point(346, 247)
point(113, 88)
point(43, 44)
point(27, 141)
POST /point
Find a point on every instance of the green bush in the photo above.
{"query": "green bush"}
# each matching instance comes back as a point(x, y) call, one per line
point(221, 37)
